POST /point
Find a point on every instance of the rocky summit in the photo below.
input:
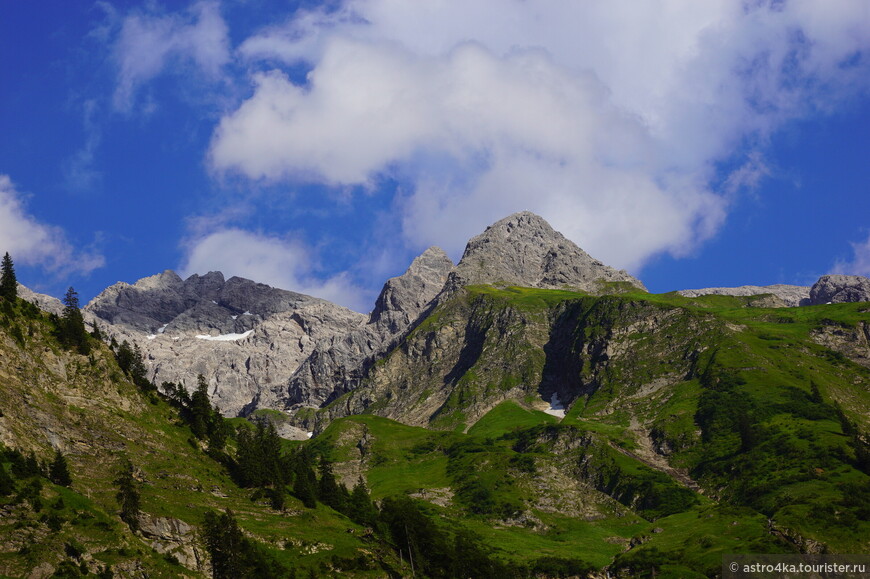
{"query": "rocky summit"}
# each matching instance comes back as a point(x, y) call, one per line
point(264, 347)
point(338, 364)
point(261, 347)
point(245, 338)
point(524, 250)
point(838, 289)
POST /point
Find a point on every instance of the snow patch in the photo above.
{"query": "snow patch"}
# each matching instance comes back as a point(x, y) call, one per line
point(150, 336)
point(214, 302)
point(234, 317)
point(556, 407)
point(309, 434)
point(162, 328)
point(225, 337)
point(247, 314)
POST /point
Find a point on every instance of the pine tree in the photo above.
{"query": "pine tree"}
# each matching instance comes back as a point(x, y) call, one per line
point(58, 471)
point(72, 333)
point(305, 481)
point(225, 544)
point(128, 495)
point(8, 282)
point(249, 459)
point(270, 448)
point(7, 485)
point(328, 491)
point(233, 555)
point(124, 356)
point(200, 409)
point(360, 508)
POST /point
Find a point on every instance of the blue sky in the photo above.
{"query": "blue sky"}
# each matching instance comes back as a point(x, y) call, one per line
point(321, 146)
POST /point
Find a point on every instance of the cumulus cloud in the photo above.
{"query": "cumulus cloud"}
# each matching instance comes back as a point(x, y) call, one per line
point(148, 42)
point(860, 263)
point(607, 118)
point(276, 261)
point(30, 242)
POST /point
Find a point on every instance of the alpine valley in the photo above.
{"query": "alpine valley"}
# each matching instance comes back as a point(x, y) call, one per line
point(527, 412)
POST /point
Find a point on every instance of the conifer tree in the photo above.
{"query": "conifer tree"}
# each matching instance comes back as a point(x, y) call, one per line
point(225, 544)
point(7, 485)
point(58, 471)
point(72, 331)
point(128, 495)
point(8, 282)
point(124, 356)
point(305, 481)
point(328, 491)
point(360, 508)
point(200, 409)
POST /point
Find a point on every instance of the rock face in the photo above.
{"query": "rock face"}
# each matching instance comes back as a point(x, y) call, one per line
point(404, 298)
point(42, 301)
point(523, 250)
point(478, 350)
point(246, 338)
point(791, 295)
point(263, 347)
point(338, 364)
point(838, 289)
point(173, 537)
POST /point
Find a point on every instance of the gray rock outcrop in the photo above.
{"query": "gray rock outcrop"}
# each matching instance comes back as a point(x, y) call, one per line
point(42, 301)
point(404, 298)
point(791, 295)
point(246, 338)
point(524, 250)
point(838, 289)
point(338, 364)
point(173, 537)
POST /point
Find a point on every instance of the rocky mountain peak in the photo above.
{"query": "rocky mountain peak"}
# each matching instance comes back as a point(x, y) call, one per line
point(523, 249)
point(404, 297)
point(201, 302)
point(836, 289)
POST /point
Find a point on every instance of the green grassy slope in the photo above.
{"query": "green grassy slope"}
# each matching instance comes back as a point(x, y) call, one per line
point(747, 422)
point(86, 407)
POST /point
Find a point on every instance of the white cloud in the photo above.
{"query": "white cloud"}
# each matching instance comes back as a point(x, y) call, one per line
point(608, 118)
point(147, 43)
point(30, 242)
point(860, 263)
point(279, 262)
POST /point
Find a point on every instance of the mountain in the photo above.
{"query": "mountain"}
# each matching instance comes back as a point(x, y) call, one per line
point(529, 412)
point(714, 398)
point(246, 338)
point(524, 250)
point(781, 295)
point(337, 364)
point(838, 289)
point(261, 347)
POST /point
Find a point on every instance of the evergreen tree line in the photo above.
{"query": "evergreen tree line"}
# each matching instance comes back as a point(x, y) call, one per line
point(400, 521)
point(70, 326)
point(233, 555)
point(24, 476)
point(261, 464)
point(131, 361)
point(428, 548)
point(205, 420)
